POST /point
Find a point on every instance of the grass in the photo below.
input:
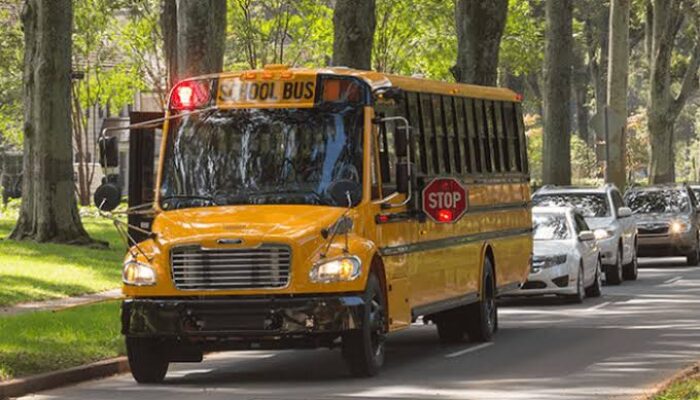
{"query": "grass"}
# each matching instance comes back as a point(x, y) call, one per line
point(48, 341)
point(686, 389)
point(39, 271)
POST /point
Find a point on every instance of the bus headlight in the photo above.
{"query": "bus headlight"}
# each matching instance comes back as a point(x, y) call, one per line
point(336, 270)
point(137, 274)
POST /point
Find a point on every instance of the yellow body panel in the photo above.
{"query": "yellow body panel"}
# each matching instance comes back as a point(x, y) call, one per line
point(423, 262)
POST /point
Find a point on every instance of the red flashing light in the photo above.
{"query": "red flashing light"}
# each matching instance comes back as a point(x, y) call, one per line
point(519, 97)
point(383, 218)
point(445, 215)
point(190, 95)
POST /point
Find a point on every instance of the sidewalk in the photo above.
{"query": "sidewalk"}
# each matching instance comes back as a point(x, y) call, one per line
point(60, 304)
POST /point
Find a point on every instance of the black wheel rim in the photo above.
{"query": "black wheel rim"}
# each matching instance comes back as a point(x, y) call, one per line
point(619, 265)
point(490, 307)
point(579, 284)
point(377, 326)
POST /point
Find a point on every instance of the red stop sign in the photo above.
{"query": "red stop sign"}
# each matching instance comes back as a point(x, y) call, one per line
point(444, 200)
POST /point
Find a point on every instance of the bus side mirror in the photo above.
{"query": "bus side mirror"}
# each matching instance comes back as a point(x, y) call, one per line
point(107, 197)
point(401, 141)
point(109, 152)
point(403, 177)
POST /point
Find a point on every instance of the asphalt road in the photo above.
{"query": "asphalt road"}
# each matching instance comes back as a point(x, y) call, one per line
point(619, 346)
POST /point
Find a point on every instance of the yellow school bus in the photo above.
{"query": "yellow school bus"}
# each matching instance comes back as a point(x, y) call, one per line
point(305, 208)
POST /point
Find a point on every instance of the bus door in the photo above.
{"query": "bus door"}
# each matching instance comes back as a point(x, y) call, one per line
point(396, 226)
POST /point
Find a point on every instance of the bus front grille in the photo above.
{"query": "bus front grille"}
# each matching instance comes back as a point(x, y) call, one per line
point(197, 268)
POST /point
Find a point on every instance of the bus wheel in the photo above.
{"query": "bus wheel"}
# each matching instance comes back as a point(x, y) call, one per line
point(363, 349)
point(146, 359)
point(482, 317)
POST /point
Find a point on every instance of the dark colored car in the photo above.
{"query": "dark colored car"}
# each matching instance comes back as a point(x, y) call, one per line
point(667, 221)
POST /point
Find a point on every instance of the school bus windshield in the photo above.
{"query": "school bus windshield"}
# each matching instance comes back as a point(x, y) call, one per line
point(261, 156)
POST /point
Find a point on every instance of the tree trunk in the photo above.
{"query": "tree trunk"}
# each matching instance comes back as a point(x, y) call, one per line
point(354, 22)
point(580, 96)
point(480, 25)
point(201, 34)
point(49, 212)
point(618, 69)
point(662, 161)
point(168, 24)
point(556, 157)
point(667, 18)
point(597, 36)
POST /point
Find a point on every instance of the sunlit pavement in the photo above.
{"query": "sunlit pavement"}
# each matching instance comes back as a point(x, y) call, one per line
point(618, 346)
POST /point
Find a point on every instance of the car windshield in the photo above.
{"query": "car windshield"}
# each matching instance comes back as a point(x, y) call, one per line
point(663, 201)
point(261, 156)
point(550, 227)
point(590, 205)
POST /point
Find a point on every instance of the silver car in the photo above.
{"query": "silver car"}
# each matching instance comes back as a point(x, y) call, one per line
point(566, 259)
point(609, 217)
point(667, 220)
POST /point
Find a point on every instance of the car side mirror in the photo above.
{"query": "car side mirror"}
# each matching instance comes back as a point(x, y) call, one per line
point(624, 212)
point(586, 236)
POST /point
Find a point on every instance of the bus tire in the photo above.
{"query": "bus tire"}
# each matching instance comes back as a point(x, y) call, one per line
point(482, 317)
point(146, 359)
point(363, 349)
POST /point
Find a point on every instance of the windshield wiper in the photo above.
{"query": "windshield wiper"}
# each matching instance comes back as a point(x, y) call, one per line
point(186, 197)
point(242, 198)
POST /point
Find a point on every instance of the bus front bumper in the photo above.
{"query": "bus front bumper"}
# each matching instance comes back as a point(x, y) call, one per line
point(243, 319)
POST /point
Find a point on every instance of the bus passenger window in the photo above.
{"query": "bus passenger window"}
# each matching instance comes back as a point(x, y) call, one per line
point(520, 125)
point(417, 144)
point(462, 138)
point(441, 152)
point(495, 164)
point(511, 137)
point(451, 151)
point(483, 132)
point(474, 134)
point(501, 137)
point(428, 134)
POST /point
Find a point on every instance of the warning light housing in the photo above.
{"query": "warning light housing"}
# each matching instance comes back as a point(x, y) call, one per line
point(190, 95)
point(445, 216)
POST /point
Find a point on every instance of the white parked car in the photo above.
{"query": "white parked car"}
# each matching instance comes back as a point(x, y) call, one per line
point(607, 214)
point(566, 259)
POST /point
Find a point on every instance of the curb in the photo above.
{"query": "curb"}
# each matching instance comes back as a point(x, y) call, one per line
point(684, 373)
point(101, 369)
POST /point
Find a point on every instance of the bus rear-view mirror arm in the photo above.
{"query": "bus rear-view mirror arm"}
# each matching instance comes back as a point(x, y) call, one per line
point(403, 169)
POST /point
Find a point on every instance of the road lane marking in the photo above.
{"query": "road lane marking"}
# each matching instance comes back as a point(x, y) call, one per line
point(672, 280)
point(598, 306)
point(469, 350)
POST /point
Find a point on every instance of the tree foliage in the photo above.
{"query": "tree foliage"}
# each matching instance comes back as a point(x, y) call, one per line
point(11, 53)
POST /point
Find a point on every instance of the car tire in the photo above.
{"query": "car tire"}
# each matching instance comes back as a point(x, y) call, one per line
point(482, 317)
point(631, 271)
point(613, 273)
point(147, 360)
point(580, 291)
point(363, 349)
point(595, 289)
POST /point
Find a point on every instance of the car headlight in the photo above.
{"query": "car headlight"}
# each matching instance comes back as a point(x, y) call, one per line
point(601, 234)
point(679, 227)
point(336, 270)
point(542, 262)
point(137, 274)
